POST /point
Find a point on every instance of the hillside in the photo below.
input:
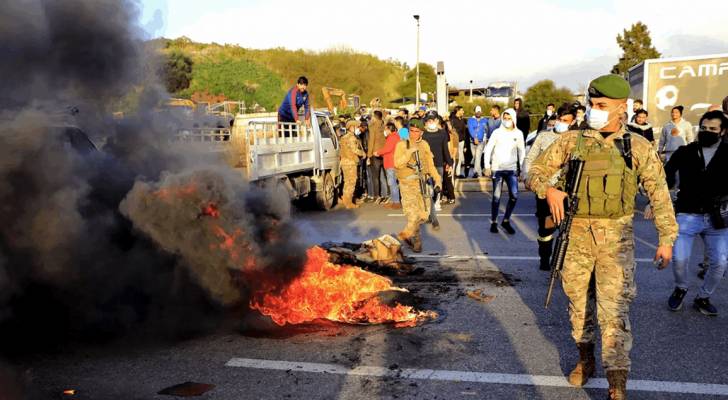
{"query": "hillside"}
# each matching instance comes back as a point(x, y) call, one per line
point(263, 76)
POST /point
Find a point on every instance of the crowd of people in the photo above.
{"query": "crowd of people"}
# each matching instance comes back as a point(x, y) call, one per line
point(411, 162)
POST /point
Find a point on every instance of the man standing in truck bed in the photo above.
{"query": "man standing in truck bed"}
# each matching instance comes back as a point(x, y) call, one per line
point(296, 98)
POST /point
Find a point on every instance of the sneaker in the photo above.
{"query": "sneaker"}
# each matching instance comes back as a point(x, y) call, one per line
point(451, 201)
point(368, 199)
point(438, 207)
point(704, 306)
point(493, 227)
point(384, 200)
point(675, 301)
point(508, 228)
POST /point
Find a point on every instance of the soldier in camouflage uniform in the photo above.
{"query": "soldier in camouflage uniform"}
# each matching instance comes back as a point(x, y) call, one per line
point(351, 152)
point(599, 269)
point(415, 204)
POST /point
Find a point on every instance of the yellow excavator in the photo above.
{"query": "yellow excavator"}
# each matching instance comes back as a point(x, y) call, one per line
point(350, 101)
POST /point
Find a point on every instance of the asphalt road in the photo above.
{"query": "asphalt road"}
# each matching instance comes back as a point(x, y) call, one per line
point(508, 348)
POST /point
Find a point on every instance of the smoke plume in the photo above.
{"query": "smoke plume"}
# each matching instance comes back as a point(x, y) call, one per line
point(90, 246)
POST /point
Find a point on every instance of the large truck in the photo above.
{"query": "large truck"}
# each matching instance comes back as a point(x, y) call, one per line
point(693, 82)
point(501, 92)
point(303, 160)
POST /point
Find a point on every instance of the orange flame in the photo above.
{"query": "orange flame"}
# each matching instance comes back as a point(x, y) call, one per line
point(337, 293)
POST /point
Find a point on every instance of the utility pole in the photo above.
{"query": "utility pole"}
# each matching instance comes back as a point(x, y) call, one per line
point(417, 67)
point(471, 90)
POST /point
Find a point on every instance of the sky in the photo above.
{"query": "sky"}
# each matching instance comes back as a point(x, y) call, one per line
point(568, 41)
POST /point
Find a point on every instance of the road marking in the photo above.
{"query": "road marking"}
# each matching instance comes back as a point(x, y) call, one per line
point(465, 215)
point(446, 257)
point(478, 377)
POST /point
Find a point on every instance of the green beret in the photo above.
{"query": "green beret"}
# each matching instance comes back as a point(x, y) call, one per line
point(417, 123)
point(611, 86)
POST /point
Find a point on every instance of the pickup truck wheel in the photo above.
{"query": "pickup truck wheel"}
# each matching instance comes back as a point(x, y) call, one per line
point(326, 196)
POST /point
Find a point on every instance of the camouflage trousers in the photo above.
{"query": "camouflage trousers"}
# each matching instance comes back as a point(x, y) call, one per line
point(415, 207)
point(598, 279)
point(349, 180)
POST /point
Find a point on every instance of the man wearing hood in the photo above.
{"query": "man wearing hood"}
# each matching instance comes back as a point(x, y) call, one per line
point(415, 205)
point(546, 226)
point(598, 271)
point(504, 155)
point(640, 126)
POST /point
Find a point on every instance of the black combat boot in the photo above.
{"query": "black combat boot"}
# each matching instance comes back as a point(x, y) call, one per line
point(585, 366)
point(545, 249)
point(617, 384)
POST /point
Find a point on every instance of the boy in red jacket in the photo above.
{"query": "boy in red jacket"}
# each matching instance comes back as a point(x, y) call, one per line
point(387, 153)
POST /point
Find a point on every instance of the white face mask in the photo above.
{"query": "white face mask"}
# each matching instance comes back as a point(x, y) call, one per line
point(561, 127)
point(549, 113)
point(597, 119)
point(357, 131)
point(432, 127)
point(508, 124)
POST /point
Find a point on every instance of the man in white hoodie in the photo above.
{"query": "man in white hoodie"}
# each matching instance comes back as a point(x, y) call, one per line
point(504, 155)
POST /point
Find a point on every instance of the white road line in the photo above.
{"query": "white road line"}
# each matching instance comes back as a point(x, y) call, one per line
point(446, 257)
point(479, 377)
point(467, 215)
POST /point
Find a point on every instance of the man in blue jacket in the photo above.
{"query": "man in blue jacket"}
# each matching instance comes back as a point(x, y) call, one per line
point(477, 125)
point(296, 98)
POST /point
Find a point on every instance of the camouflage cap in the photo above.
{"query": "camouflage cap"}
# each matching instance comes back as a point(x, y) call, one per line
point(611, 86)
point(352, 123)
point(416, 123)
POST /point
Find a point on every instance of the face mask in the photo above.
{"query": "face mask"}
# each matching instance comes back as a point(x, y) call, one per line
point(561, 127)
point(508, 124)
point(549, 113)
point(431, 127)
point(357, 131)
point(597, 119)
point(707, 139)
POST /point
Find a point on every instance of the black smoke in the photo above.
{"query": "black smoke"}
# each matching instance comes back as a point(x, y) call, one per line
point(74, 262)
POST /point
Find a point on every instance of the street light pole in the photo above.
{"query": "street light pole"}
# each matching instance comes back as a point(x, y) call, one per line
point(471, 90)
point(417, 65)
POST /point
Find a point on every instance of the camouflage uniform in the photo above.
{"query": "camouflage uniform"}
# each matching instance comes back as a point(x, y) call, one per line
point(415, 206)
point(350, 153)
point(601, 240)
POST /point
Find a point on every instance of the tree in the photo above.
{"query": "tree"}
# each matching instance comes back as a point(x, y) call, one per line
point(176, 72)
point(541, 93)
point(636, 45)
point(428, 81)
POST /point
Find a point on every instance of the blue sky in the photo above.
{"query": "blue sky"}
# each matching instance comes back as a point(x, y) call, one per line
point(569, 41)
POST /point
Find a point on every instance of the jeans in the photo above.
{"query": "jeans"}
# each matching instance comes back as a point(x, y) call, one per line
point(477, 150)
point(716, 251)
point(512, 181)
point(393, 188)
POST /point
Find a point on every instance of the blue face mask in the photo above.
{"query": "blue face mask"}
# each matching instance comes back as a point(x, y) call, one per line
point(561, 127)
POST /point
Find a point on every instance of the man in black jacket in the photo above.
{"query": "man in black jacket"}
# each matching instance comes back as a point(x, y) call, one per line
point(461, 127)
point(437, 137)
point(701, 166)
point(523, 118)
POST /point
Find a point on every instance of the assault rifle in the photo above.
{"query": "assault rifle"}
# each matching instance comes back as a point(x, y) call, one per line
point(573, 180)
point(420, 175)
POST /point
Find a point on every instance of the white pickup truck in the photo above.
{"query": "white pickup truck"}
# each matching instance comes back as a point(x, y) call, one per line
point(303, 160)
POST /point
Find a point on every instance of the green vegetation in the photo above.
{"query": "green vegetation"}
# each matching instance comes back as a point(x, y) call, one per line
point(428, 81)
point(541, 93)
point(264, 76)
point(176, 71)
point(636, 45)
